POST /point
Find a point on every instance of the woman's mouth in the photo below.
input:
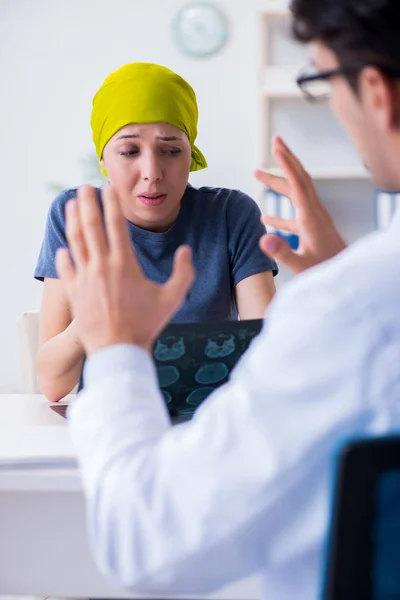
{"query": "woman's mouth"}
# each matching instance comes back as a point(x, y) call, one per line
point(152, 199)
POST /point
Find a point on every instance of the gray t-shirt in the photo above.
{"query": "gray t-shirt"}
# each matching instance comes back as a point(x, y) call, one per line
point(221, 226)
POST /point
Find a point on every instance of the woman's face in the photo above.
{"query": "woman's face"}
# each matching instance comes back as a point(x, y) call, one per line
point(149, 165)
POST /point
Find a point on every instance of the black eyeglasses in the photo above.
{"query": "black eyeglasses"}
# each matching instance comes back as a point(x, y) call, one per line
point(316, 87)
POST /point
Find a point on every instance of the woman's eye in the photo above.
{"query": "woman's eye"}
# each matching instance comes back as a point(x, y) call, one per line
point(128, 153)
point(172, 151)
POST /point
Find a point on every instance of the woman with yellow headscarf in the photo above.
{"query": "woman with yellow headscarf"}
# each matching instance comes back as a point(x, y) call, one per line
point(144, 124)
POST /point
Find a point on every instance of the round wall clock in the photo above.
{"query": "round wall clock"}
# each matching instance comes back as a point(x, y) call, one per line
point(200, 29)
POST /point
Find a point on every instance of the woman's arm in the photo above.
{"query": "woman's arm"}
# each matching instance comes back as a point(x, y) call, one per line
point(60, 354)
point(253, 294)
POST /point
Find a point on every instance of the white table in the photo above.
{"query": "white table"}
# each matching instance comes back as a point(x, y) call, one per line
point(43, 545)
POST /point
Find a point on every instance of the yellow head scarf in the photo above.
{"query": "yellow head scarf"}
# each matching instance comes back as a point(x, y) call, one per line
point(145, 93)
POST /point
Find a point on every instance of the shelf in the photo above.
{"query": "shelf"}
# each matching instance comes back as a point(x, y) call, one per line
point(311, 131)
point(328, 174)
point(277, 9)
point(280, 82)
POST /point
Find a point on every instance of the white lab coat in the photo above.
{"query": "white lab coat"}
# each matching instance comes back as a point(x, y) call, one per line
point(245, 486)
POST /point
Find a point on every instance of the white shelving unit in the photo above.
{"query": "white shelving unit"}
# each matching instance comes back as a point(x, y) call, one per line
point(310, 130)
point(282, 101)
point(280, 82)
point(328, 174)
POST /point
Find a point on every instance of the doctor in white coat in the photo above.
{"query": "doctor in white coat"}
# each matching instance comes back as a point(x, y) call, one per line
point(243, 488)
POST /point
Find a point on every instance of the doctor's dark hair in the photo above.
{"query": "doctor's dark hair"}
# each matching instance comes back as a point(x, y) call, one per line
point(356, 31)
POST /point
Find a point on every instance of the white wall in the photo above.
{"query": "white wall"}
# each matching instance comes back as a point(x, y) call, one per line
point(54, 55)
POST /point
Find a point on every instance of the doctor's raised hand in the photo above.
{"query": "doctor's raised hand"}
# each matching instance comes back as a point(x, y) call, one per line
point(110, 298)
point(319, 239)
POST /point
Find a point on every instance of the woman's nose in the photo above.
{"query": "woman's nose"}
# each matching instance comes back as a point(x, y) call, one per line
point(151, 168)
